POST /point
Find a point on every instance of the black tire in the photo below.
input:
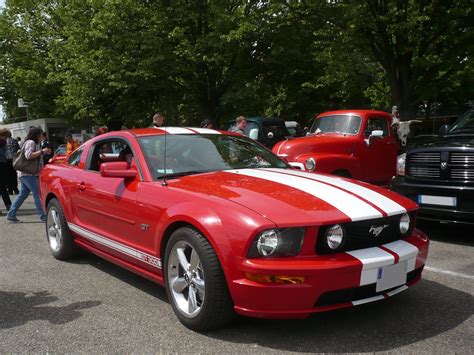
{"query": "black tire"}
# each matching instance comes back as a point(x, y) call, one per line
point(65, 247)
point(342, 173)
point(217, 306)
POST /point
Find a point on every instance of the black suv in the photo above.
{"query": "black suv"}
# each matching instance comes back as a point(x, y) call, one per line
point(265, 130)
point(438, 173)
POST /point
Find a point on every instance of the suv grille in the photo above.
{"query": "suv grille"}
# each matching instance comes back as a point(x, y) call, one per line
point(454, 166)
point(360, 235)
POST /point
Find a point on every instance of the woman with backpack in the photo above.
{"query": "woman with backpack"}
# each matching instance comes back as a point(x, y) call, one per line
point(30, 181)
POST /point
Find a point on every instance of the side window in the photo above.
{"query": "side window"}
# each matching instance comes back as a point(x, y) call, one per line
point(251, 130)
point(109, 151)
point(377, 124)
point(75, 157)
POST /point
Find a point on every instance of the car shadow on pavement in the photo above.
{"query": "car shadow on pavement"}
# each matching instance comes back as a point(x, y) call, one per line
point(419, 313)
point(19, 308)
point(137, 281)
point(448, 233)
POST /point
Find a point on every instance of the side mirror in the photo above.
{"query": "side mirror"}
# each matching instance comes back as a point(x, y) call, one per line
point(119, 169)
point(374, 134)
point(443, 130)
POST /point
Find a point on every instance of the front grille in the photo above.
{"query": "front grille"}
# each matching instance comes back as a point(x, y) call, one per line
point(360, 235)
point(462, 166)
point(447, 166)
point(358, 293)
point(424, 165)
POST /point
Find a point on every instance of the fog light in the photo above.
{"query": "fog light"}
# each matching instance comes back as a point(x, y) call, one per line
point(335, 236)
point(276, 279)
point(267, 242)
point(405, 223)
point(310, 164)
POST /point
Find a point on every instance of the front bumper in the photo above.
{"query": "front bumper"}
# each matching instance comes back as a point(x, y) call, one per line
point(331, 281)
point(463, 213)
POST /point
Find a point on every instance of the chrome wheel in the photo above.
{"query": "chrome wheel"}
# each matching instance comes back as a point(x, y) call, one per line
point(54, 229)
point(186, 279)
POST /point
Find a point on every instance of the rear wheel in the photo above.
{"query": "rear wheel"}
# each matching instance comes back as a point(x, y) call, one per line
point(60, 240)
point(195, 282)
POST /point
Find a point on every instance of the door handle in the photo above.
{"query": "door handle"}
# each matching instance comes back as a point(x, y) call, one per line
point(82, 186)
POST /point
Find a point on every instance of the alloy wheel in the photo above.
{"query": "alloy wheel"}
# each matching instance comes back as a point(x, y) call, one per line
point(186, 279)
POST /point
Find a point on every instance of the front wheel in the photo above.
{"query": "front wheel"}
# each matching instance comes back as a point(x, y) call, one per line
point(195, 282)
point(59, 237)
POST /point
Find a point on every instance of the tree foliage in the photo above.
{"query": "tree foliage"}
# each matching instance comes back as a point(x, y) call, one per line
point(118, 61)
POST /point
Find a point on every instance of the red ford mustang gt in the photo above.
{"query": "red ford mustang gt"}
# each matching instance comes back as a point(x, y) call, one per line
point(226, 226)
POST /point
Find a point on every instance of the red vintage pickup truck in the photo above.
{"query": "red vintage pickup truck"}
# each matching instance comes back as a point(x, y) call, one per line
point(352, 143)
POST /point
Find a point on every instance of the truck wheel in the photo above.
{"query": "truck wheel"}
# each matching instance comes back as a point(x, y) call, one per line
point(342, 173)
point(195, 282)
point(60, 240)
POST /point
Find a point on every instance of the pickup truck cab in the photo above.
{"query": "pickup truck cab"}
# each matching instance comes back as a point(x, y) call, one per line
point(352, 143)
point(266, 130)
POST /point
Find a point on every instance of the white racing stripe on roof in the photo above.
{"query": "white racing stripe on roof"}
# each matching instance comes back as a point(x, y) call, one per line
point(205, 130)
point(351, 206)
point(384, 203)
point(176, 130)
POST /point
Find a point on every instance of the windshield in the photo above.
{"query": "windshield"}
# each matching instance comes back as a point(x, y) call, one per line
point(343, 124)
point(464, 124)
point(192, 154)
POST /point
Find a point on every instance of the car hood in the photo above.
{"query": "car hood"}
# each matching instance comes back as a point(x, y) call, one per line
point(449, 141)
point(320, 143)
point(290, 197)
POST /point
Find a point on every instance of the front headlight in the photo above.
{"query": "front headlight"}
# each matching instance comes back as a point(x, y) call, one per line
point(405, 223)
point(277, 242)
point(335, 236)
point(401, 159)
point(310, 164)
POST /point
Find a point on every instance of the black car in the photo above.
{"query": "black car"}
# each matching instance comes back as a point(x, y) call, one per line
point(265, 130)
point(438, 173)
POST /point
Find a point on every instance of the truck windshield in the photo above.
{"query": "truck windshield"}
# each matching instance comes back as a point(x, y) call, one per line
point(198, 153)
point(464, 124)
point(342, 124)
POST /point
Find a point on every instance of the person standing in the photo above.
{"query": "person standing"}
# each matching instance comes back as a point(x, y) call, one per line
point(240, 124)
point(4, 171)
point(158, 120)
point(207, 124)
point(45, 144)
point(11, 149)
point(71, 144)
point(30, 182)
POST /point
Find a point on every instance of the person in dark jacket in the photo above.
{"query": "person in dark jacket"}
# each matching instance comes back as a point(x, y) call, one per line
point(4, 169)
point(45, 144)
point(11, 149)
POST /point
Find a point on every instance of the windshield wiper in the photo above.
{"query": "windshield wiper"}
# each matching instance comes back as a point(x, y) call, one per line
point(182, 173)
point(462, 129)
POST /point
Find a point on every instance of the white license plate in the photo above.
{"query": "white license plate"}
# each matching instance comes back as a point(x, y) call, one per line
point(391, 276)
point(437, 200)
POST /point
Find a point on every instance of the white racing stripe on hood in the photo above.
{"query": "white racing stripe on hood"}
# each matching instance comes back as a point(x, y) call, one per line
point(351, 206)
point(384, 203)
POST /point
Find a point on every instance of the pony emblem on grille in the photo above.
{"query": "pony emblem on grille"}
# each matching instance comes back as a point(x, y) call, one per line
point(377, 230)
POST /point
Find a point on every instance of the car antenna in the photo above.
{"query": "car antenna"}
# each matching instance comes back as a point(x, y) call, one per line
point(164, 183)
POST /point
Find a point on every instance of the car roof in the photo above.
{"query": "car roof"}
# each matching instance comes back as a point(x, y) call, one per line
point(142, 132)
point(353, 112)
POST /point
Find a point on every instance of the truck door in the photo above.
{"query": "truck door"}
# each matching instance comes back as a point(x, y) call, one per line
point(379, 158)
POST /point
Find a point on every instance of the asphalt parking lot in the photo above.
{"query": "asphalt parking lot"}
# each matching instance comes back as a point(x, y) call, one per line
point(89, 305)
